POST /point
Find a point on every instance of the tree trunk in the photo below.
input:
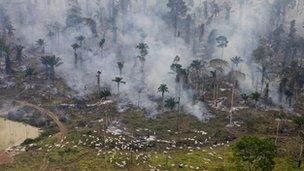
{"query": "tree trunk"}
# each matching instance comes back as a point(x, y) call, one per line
point(75, 58)
point(98, 84)
point(214, 91)
point(138, 102)
point(131, 157)
point(19, 57)
point(118, 88)
point(163, 98)
point(218, 91)
point(52, 75)
point(232, 96)
point(178, 115)
point(230, 118)
point(277, 133)
point(175, 25)
point(256, 106)
point(300, 156)
point(8, 67)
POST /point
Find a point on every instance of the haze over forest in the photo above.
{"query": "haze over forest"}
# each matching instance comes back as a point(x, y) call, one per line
point(231, 63)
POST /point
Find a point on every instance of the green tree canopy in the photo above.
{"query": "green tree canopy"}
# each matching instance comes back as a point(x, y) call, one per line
point(255, 153)
point(170, 103)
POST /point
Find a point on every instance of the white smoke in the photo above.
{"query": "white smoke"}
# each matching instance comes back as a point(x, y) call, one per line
point(30, 18)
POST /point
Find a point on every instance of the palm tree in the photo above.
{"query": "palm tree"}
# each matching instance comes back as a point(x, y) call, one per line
point(80, 39)
point(196, 65)
point(139, 89)
point(98, 81)
point(180, 72)
point(256, 97)
point(19, 49)
point(219, 65)
point(299, 121)
point(10, 29)
point(118, 80)
point(105, 93)
point(282, 87)
point(289, 94)
point(8, 63)
point(5, 51)
point(50, 62)
point(120, 67)
point(30, 72)
point(279, 118)
point(101, 43)
point(264, 74)
point(41, 45)
point(163, 88)
point(215, 81)
point(236, 75)
point(143, 50)
point(222, 43)
point(170, 103)
point(236, 61)
point(75, 46)
point(245, 97)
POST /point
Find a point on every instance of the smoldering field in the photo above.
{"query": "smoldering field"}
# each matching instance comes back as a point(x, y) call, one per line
point(123, 28)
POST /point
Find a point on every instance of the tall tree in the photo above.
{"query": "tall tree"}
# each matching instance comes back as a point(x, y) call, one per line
point(227, 8)
point(178, 10)
point(214, 82)
point(101, 45)
point(6, 52)
point(236, 74)
point(98, 81)
point(29, 73)
point(256, 97)
point(180, 80)
point(219, 66)
point(120, 66)
point(289, 94)
point(19, 49)
point(196, 66)
point(143, 51)
point(236, 61)
point(290, 48)
point(80, 40)
point(222, 42)
point(163, 88)
point(279, 118)
point(75, 46)
point(299, 121)
point(41, 45)
point(50, 62)
point(264, 74)
point(118, 81)
point(73, 14)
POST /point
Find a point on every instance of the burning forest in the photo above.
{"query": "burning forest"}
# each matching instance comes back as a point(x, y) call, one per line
point(151, 85)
